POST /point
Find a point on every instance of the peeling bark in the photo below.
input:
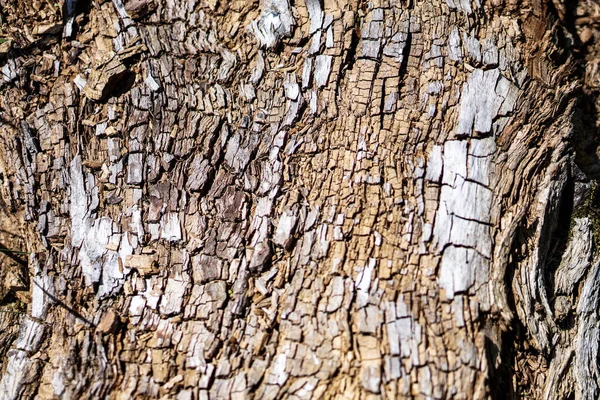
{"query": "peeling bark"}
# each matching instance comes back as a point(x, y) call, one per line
point(276, 199)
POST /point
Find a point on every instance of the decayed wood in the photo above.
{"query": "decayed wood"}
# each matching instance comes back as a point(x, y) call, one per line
point(309, 199)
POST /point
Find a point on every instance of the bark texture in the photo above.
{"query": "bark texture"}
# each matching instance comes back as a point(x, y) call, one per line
point(299, 199)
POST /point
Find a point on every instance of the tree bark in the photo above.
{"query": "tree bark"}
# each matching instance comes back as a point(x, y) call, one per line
point(299, 199)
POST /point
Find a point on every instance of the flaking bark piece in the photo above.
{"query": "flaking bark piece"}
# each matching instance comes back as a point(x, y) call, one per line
point(138, 9)
point(109, 322)
point(109, 72)
point(143, 263)
point(103, 79)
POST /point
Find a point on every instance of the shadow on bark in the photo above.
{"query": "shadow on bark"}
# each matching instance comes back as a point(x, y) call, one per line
point(508, 380)
point(515, 365)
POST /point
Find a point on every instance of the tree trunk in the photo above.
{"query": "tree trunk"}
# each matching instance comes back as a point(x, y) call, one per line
point(299, 199)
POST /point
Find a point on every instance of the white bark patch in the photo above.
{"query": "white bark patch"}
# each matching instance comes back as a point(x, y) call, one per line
point(199, 338)
point(170, 227)
point(462, 223)
point(405, 333)
point(371, 33)
point(80, 82)
point(472, 47)
point(508, 94)
point(79, 203)
point(30, 336)
point(477, 102)
point(390, 102)
point(482, 147)
point(435, 164)
point(39, 298)
point(462, 5)
point(315, 43)
point(321, 242)
point(292, 112)
point(285, 227)
point(42, 286)
point(290, 86)
point(478, 165)
point(112, 272)
point(151, 83)
point(329, 39)
point(404, 337)
point(458, 269)
point(93, 248)
point(322, 69)
point(228, 62)
point(152, 295)
point(371, 376)
point(97, 239)
point(275, 22)
point(395, 47)
point(315, 14)
point(18, 363)
point(457, 310)
point(468, 200)
point(424, 379)
point(454, 46)
point(58, 383)
point(306, 72)
point(471, 234)
point(455, 161)
point(490, 53)
point(259, 69)
point(277, 375)
point(313, 102)
point(247, 90)
point(9, 71)
point(363, 283)
point(370, 48)
point(172, 300)
point(336, 296)
point(369, 318)
point(136, 308)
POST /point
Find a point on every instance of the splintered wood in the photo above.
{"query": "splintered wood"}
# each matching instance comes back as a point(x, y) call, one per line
point(274, 199)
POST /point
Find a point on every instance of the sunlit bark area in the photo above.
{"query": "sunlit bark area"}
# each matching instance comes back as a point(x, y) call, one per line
point(298, 199)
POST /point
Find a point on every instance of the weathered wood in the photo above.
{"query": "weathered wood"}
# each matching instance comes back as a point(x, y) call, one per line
point(308, 199)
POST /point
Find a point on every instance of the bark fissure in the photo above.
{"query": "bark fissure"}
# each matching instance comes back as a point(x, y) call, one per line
point(276, 199)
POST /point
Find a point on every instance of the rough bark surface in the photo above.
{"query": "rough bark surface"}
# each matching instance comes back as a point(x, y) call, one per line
point(299, 199)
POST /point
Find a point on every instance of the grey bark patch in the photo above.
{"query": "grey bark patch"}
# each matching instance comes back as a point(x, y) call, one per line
point(275, 23)
point(322, 69)
point(454, 45)
point(135, 168)
point(477, 102)
point(577, 258)
point(315, 14)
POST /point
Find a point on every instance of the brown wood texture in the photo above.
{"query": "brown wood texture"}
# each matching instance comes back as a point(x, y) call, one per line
point(299, 199)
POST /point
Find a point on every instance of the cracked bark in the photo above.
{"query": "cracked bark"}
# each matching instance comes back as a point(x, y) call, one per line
point(306, 199)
